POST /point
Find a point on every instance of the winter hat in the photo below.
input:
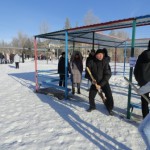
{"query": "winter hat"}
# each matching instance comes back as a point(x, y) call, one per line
point(99, 51)
point(105, 52)
point(92, 50)
point(63, 53)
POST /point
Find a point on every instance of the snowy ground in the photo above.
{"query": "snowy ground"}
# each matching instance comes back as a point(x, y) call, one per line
point(31, 121)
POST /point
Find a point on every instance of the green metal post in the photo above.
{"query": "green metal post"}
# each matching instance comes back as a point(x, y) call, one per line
point(131, 69)
point(73, 46)
point(93, 40)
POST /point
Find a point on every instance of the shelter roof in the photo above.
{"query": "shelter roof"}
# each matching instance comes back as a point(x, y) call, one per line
point(84, 34)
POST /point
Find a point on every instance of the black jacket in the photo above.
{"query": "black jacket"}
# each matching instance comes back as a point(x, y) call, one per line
point(61, 66)
point(100, 71)
point(142, 68)
point(87, 61)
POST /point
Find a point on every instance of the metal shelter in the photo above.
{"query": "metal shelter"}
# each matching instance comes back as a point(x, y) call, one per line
point(91, 34)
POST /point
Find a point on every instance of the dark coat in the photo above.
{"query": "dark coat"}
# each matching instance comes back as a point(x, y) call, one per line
point(61, 66)
point(100, 70)
point(142, 68)
point(76, 66)
point(87, 61)
point(107, 58)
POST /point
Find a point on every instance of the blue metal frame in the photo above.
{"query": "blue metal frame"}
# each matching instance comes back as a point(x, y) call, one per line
point(66, 64)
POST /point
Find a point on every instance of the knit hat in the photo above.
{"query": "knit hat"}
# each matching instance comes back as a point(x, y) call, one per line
point(105, 52)
point(92, 50)
point(99, 51)
point(63, 53)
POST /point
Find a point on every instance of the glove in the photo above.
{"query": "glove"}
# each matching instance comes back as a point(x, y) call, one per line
point(98, 87)
point(94, 82)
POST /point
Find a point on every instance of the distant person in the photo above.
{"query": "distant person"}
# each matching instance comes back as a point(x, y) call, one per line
point(17, 60)
point(28, 56)
point(142, 75)
point(106, 55)
point(11, 58)
point(3, 59)
point(89, 58)
point(61, 69)
point(76, 66)
point(7, 58)
point(101, 72)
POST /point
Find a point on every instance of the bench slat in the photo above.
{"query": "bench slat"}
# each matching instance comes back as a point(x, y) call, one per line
point(55, 86)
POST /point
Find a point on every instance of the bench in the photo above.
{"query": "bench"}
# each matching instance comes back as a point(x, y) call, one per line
point(49, 84)
point(50, 80)
point(135, 105)
point(47, 71)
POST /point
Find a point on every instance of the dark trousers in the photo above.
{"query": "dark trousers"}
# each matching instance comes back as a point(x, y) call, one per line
point(62, 80)
point(108, 94)
point(17, 65)
point(145, 109)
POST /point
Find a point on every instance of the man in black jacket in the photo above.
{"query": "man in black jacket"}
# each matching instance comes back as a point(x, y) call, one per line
point(142, 75)
point(61, 69)
point(101, 72)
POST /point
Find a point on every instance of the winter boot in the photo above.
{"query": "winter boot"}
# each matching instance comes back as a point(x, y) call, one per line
point(79, 91)
point(90, 109)
point(73, 90)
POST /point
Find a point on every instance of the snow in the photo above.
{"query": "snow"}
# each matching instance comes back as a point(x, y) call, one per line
point(33, 121)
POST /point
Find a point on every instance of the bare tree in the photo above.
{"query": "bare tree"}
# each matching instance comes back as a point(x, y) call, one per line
point(90, 18)
point(5, 44)
point(67, 24)
point(15, 42)
point(124, 36)
point(22, 38)
point(44, 27)
point(76, 24)
point(120, 34)
point(21, 42)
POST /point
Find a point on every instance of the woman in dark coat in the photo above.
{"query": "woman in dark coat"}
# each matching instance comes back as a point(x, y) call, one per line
point(142, 75)
point(76, 67)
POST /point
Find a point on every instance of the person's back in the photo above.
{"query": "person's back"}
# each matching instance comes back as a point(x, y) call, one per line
point(16, 58)
point(89, 58)
point(142, 75)
point(61, 64)
point(142, 68)
point(61, 69)
point(107, 58)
